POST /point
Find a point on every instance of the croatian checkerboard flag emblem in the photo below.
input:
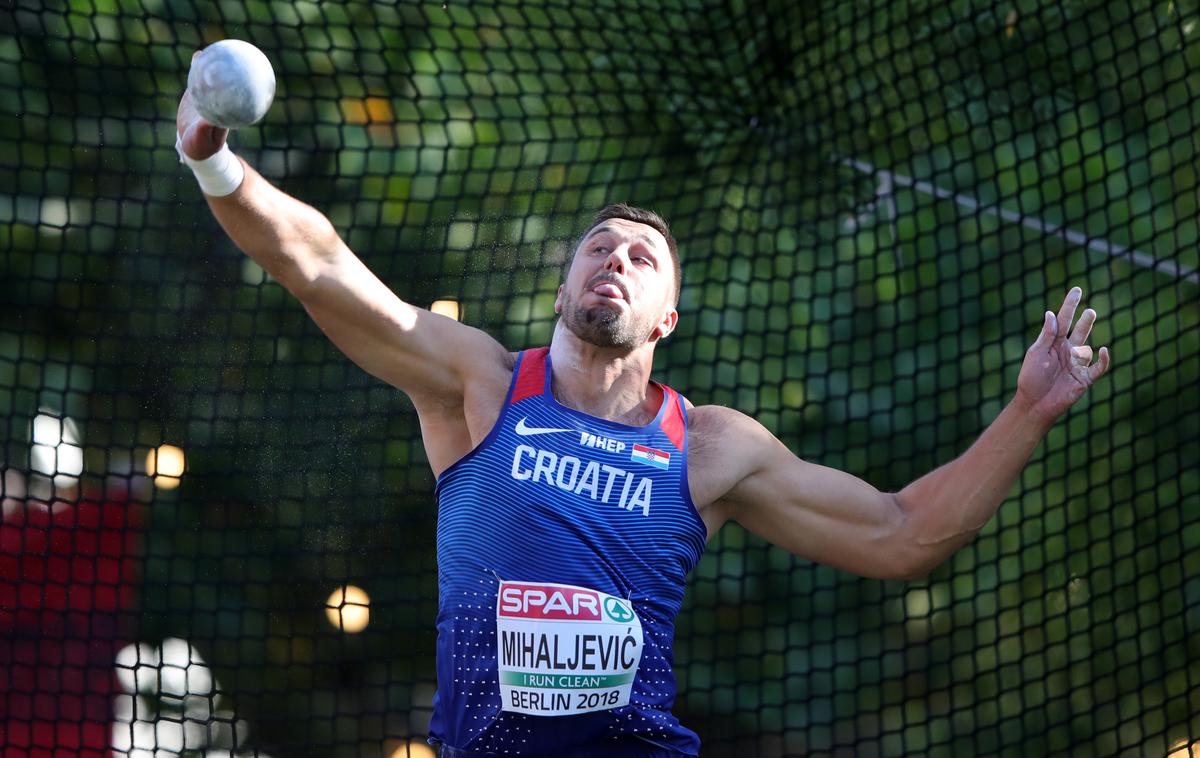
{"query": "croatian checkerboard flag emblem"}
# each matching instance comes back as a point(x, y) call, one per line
point(651, 456)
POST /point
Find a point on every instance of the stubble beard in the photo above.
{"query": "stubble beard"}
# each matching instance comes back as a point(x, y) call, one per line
point(607, 327)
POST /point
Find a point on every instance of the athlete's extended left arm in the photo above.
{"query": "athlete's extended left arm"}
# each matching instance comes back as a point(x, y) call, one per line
point(948, 506)
point(838, 519)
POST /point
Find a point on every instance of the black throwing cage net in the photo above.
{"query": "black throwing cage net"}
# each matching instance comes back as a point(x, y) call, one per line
point(875, 202)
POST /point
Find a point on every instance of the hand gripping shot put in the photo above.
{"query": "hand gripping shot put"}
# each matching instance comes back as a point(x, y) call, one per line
point(230, 84)
point(575, 493)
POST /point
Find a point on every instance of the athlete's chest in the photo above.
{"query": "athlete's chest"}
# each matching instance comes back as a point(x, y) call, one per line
point(581, 462)
point(578, 462)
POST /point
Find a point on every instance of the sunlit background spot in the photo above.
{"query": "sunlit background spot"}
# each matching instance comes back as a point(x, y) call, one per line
point(348, 609)
point(166, 464)
point(447, 308)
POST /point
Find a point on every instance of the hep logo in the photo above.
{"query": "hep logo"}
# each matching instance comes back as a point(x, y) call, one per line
point(617, 611)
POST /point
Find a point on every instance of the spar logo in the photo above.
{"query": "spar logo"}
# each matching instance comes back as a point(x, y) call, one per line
point(617, 610)
point(558, 602)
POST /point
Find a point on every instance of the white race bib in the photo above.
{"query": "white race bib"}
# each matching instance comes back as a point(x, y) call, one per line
point(562, 649)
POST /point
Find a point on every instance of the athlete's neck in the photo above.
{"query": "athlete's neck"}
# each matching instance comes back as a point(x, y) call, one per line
point(604, 382)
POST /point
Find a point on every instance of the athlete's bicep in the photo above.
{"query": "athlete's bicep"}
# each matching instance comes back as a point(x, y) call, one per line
point(408, 347)
point(814, 511)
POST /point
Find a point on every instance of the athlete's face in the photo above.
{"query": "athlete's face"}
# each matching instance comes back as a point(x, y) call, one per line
point(620, 289)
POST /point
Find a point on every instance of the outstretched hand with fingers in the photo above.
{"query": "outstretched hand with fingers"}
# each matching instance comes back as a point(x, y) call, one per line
point(1058, 368)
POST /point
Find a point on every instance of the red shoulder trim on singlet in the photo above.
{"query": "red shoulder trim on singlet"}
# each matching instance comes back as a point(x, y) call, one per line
point(531, 375)
point(672, 423)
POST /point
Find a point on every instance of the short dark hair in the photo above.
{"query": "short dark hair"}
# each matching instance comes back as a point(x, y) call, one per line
point(640, 216)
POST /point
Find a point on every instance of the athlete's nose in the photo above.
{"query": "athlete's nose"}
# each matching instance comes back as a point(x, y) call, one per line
point(616, 260)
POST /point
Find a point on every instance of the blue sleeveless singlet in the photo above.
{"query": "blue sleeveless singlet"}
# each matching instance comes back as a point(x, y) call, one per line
point(563, 543)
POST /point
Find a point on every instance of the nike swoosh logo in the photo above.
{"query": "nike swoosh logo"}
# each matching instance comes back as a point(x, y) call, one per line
point(526, 431)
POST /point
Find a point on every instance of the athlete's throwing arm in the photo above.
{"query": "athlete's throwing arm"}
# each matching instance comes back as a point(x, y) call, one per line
point(455, 375)
point(574, 445)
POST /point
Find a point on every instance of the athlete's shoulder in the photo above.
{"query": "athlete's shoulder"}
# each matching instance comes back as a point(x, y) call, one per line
point(724, 446)
point(719, 429)
point(716, 416)
point(726, 437)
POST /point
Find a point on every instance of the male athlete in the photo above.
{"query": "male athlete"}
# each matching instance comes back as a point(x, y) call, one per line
point(575, 493)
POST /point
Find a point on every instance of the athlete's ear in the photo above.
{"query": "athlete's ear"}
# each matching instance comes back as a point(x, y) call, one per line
point(667, 325)
point(558, 303)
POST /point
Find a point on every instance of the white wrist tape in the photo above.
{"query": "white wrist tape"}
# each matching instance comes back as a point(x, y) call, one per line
point(218, 175)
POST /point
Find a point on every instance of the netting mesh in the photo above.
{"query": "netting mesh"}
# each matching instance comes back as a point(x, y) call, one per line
point(875, 202)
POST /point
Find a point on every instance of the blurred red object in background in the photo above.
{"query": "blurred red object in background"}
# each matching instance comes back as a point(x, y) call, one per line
point(68, 581)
